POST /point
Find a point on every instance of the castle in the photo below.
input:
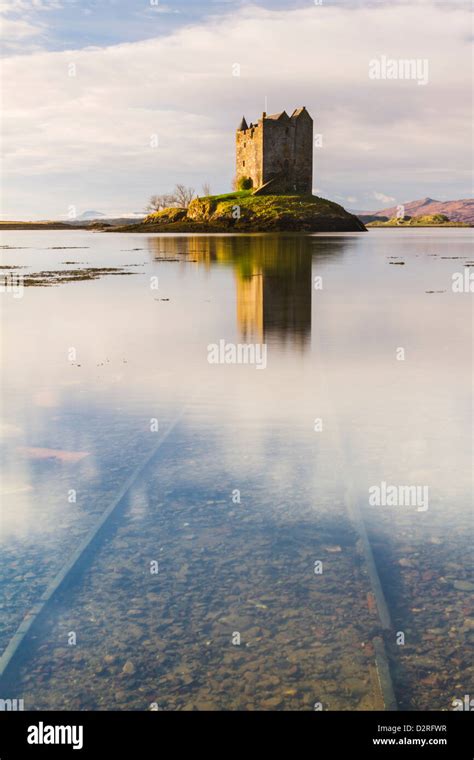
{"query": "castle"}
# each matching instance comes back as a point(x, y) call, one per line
point(277, 153)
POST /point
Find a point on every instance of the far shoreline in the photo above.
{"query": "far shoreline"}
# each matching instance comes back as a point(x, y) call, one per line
point(138, 228)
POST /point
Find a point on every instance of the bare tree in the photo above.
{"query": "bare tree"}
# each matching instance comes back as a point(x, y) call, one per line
point(159, 202)
point(183, 195)
point(206, 189)
point(180, 197)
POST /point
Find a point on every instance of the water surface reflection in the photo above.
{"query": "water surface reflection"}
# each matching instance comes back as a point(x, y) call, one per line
point(142, 355)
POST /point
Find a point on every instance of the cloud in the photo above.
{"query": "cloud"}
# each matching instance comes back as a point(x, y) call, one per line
point(86, 139)
point(21, 6)
point(382, 197)
point(20, 25)
point(17, 31)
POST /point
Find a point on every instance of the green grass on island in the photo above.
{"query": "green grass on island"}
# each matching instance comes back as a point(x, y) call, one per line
point(429, 220)
point(243, 211)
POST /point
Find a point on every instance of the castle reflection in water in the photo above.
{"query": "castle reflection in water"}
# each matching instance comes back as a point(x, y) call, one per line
point(272, 277)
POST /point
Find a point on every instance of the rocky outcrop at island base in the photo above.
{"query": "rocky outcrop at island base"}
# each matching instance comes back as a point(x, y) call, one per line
point(244, 212)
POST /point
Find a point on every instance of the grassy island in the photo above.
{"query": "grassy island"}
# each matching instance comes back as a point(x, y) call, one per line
point(241, 211)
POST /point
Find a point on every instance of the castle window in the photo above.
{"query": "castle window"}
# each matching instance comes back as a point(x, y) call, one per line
point(245, 144)
point(243, 163)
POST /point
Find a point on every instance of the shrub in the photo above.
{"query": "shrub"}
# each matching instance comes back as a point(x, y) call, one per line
point(244, 183)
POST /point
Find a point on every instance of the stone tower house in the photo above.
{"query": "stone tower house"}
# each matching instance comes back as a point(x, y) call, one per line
point(277, 153)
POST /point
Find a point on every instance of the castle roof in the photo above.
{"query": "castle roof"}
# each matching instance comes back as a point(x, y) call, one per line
point(277, 116)
point(298, 112)
point(282, 116)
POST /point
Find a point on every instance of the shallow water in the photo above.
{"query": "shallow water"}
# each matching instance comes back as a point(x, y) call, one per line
point(92, 368)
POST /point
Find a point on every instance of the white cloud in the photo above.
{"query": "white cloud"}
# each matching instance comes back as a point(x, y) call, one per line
point(20, 29)
point(88, 136)
point(382, 197)
point(19, 6)
point(17, 30)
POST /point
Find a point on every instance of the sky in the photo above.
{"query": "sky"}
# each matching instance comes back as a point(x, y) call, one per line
point(106, 102)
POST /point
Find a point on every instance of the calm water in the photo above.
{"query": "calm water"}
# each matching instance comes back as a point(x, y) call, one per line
point(367, 381)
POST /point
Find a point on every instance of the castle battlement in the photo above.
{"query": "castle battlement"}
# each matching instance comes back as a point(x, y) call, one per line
point(277, 153)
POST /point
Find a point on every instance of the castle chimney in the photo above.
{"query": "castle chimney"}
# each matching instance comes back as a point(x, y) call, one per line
point(264, 114)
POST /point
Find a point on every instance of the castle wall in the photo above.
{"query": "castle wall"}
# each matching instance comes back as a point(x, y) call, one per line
point(278, 152)
point(280, 149)
point(249, 154)
point(303, 164)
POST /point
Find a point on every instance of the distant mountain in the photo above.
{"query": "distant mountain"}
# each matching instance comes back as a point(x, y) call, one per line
point(88, 218)
point(457, 211)
point(90, 215)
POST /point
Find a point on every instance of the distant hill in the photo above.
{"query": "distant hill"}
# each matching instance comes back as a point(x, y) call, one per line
point(457, 211)
point(426, 220)
point(75, 224)
point(96, 216)
point(90, 215)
